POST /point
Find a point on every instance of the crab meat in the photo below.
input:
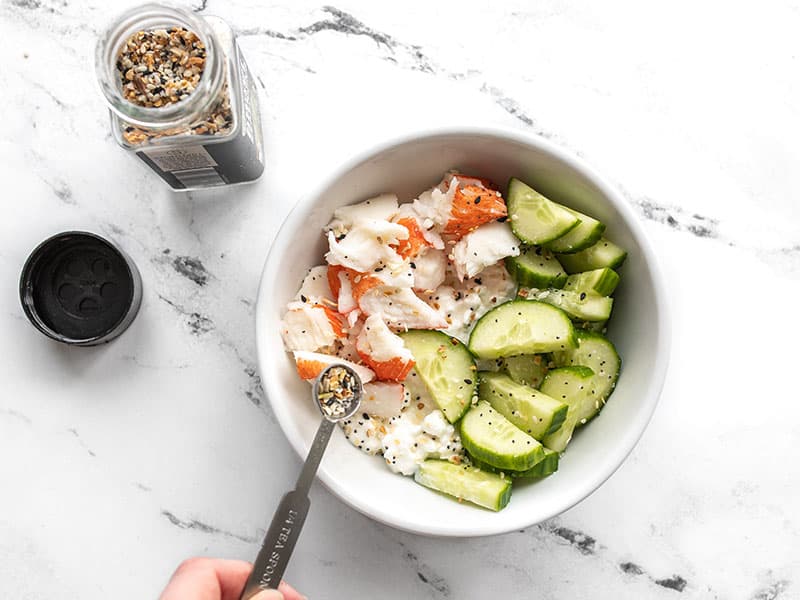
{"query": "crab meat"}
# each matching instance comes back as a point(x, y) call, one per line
point(432, 238)
point(346, 347)
point(433, 205)
point(400, 308)
point(345, 299)
point(334, 282)
point(459, 308)
point(459, 204)
point(383, 351)
point(351, 285)
point(384, 400)
point(483, 247)
point(367, 246)
point(352, 317)
point(310, 326)
point(472, 207)
point(430, 269)
point(381, 208)
point(464, 180)
point(310, 365)
point(494, 285)
point(363, 282)
point(334, 318)
point(315, 287)
point(416, 241)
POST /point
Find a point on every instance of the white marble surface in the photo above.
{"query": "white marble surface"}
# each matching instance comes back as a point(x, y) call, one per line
point(119, 461)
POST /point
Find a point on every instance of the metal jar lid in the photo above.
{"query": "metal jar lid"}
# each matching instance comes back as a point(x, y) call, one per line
point(80, 289)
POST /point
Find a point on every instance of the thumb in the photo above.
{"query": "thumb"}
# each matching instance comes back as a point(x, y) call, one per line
point(268, 595)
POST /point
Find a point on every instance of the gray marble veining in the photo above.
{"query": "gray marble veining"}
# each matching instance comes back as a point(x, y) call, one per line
point(690, 109)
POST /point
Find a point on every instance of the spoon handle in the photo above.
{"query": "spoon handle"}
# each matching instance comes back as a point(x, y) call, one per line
point(278, 544)
point(287, 523)
point(314, 457)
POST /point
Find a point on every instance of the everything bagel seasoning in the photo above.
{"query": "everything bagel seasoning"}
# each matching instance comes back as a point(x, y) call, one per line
point(337, 392)
point(181, 96)
point(162, 67)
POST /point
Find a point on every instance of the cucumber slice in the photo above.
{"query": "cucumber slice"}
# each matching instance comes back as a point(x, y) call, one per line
point(521, 327)
point(571, 385)
point(586, 234)
point(536, 267)
point(597, 353)
point(492, 364)
point(598, 281)
point(547, 466)
point(583, 306)
point(535, 413)
point(489, 436)
point(602, 254)
point(535, 219)
point(465, 482)
point(527, 369)
point(446, 367)
point(596, 327)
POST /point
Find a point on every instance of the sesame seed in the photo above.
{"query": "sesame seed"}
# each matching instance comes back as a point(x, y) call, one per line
point(161, 67)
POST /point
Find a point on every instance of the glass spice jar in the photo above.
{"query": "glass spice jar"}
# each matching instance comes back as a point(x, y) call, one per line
point(181, 97)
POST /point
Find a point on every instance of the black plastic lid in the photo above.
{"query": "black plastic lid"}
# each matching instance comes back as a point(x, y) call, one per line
point(79, 288)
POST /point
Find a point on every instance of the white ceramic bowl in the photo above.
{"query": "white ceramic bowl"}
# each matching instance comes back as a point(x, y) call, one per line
point(639, 328)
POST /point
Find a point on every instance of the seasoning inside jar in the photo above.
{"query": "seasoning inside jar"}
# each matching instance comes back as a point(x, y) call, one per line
point(162, 67)
point(181, 97)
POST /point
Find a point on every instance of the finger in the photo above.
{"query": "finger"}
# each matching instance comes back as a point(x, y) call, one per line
point(289, 593)
point(268, 595)
point(207, 579)
point(232, 575)
point(194, 578)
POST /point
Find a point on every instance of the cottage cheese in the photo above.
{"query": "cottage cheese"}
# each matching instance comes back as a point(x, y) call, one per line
point(462, 303)
point(365, 433)
point(409, 441)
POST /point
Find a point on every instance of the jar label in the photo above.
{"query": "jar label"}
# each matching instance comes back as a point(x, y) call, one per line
point(180, 159)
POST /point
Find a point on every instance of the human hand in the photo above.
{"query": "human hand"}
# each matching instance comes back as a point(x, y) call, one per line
point(218, 579)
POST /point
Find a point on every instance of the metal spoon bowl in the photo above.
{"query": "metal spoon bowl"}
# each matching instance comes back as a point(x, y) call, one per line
point(351, 404)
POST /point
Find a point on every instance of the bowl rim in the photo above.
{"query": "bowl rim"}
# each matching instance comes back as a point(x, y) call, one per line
point(625, 444)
